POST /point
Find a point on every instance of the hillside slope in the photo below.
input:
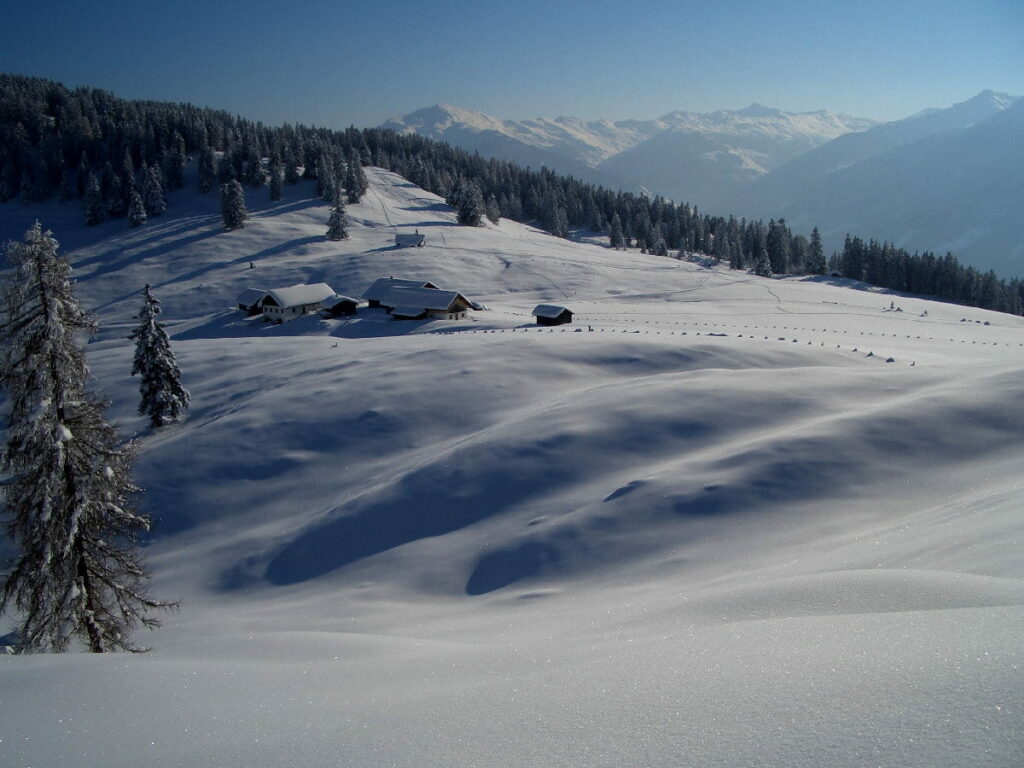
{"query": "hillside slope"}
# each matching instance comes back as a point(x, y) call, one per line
point(709, 521)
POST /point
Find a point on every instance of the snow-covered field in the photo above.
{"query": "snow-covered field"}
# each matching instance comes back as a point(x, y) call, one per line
point(718, 521)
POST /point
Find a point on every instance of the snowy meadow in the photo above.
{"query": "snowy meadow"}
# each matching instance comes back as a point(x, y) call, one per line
point(718, 520)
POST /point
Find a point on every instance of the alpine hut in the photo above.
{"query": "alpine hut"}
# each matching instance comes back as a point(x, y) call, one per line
point(552, 314)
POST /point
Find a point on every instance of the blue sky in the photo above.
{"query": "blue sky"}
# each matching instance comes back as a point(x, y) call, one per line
point(341, 63)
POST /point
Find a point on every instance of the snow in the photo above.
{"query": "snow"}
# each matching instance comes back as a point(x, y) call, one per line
point(710, 531)
point(300, 294)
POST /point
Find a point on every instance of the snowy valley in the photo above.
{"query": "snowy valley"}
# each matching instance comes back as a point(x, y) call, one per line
point(717, 520)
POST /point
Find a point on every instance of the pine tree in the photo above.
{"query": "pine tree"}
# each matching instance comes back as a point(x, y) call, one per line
point(493, 209)
point(355, 180)
point(276, 181)
point(163, 398)
point(207, 169)
point(615, 237)
point(136, 209)
point(560, 225)
point(469, 203)
point(816, 261)
point(95, 211)
point(78, 572)
point(152, 191)
point(763, 265)
point(232, 205)
point(337, 225)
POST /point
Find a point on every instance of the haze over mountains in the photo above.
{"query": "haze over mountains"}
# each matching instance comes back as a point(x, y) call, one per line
point(726, 149)
point(941, 180)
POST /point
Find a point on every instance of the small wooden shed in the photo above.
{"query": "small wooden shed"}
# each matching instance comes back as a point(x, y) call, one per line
point(404, 240)
point(552, 314)
point(337, 306)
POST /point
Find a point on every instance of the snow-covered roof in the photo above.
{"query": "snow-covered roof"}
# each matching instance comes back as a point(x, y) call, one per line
point(549, 310)
point(424, 298)
point(333, 301)
point(407, 311)
point(250, 296)
point(298, 295)
point(382, 285)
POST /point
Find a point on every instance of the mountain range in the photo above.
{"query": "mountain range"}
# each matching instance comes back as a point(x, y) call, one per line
point(705, 158)
point(942, 179)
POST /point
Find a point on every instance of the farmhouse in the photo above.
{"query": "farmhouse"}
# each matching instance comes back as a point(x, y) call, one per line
point(249, 300)
point(405, 303)
point(376, 292)
point(335, 306)
point(282, 304)
point(552, 314)
point(410, 241)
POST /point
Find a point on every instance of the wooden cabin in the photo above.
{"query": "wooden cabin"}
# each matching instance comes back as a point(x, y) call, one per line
point(552, 314)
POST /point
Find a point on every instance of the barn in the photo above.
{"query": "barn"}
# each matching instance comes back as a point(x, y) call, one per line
point(249, 300)
point(376, 292)
point(283, 304)
point(405, 303)
point(552, 314)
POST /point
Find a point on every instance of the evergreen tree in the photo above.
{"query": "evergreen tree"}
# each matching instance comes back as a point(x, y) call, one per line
point(232, 205)
point(136, 209)
point(469, 203)
point(152, 191)
point(207, 169)
point(816, 260)
point(493, 209)
point(276, 181)
point(174, 163)
point(95, 211)
point(560, 225)
point(78, 573)
point(615, 237)
point(163, 398)
point(355, 181)
point(82, 177)
point(337, 225)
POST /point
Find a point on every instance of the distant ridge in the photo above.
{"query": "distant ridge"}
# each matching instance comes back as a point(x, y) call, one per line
point(704, 158)
point(941, 180)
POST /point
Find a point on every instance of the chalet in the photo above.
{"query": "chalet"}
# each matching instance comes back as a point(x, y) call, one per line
point(335, 306)
point(282, 304)
point(552, 314)
point(407, 303)
point(381, 286)
point(249, 300)
point(410, 241)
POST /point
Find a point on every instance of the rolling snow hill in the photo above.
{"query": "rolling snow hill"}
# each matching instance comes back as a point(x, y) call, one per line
point(719, 520)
